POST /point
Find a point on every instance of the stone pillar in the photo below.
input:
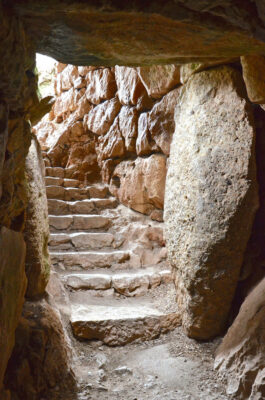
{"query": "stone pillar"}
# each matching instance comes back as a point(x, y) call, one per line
point(211, 196)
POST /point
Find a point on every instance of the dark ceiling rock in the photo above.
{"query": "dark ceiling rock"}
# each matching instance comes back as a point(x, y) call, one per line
point(142, 32)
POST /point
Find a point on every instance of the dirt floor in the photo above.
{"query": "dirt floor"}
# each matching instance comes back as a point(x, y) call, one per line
point(172, 367)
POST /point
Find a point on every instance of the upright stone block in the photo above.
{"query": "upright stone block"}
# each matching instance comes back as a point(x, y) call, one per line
point(211, 196)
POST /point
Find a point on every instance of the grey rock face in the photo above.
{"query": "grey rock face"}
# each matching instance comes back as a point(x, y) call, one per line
point(211, 196)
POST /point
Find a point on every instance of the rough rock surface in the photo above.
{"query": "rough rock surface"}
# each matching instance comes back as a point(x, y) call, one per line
point(13, 287)
point(36, 233)
point(159, 79)
point(95, 33)
point(161, 120)
point(211, 197)
point(253, 74)
point(117, 122)
point(40, 363)
point(240, 357)
point(140, 184)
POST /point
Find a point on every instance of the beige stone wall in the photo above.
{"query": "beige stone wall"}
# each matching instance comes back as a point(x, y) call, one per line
point(114, 124)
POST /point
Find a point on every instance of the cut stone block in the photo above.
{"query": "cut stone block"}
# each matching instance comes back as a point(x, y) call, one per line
point(121, 324)
point(58, 207)
point(55, 192)
point(73, 183)
point(55, 171)
point(89, 222)
point(53, 180)
point(90, 259)
point(89, 281)
point(91, 240)
point(60, 222)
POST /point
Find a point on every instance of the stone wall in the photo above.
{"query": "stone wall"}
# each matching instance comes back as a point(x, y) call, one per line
point(19, 105)
point(116, 123)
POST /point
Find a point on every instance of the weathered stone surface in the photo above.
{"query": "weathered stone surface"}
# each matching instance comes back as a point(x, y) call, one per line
point(67, 77)
point(36, 233)
point(91, 34)
point(41, 360)
point(100, 119)
point(121, 324)
point(91, 240)
point(55, 171)
point(187, 70)
point(90, 259)
point(130, 87)
point(89, 281)
point(52, 180)
point(159, 79)
point(240, 357)
point(211, 197)
point(253, 74)
point(67, 102)
point(145, 145)
point(128, 124)
point(13, 287)
point(78, 221)
point(161, 120)
point(55, 192)
point(3, 137)
point(112, 144)
point(140, 184)
point(101, 85)
point(14, 195)
point(131, 285)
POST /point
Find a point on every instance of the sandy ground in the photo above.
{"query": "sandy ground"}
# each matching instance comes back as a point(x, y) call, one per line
point(172, 367)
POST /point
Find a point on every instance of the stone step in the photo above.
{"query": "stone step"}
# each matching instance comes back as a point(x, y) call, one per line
point(78, 222)
point(89, 259)
point(57, 181)
point(72, 193)
point(81, 240)
point(71, 183)
point(55, 172)
point(62, 207)
point(121, 323)
point(127, 283)
point(53, 181)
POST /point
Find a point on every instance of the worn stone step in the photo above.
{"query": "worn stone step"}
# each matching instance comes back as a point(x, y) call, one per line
point(53, 181)
point(78, 222)
point(82, 240)
point(73, 193)
point(89, 259)
point(55, 172)
point(74, 183)
point(121, 323)
point(128, 283)
point(62, 207)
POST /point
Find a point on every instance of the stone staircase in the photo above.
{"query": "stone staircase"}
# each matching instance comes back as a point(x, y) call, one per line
point(111, 262)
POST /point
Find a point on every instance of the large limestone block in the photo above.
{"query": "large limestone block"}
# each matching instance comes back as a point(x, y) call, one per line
point(159, 79)
point(211, 197)
point(13, 286)
point(67, 102)
point(41, 363)
point(161, 120)
point(130, 87)
point(241, 355)
point(253, 74)
point(67, 76)
point(112, 144)
point(101, 85)
point(36, 231)
point(100, 119)
point(187, 70)
point(128, 124)
point(140, 184)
